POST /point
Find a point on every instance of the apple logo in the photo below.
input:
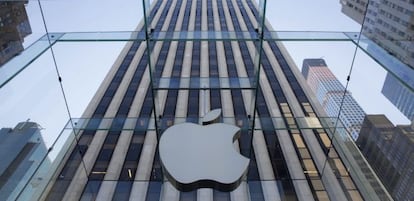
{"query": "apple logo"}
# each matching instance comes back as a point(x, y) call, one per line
point(202, 156)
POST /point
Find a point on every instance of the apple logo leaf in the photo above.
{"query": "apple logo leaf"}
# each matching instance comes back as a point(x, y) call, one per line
point(212, 117)
point(202, 156)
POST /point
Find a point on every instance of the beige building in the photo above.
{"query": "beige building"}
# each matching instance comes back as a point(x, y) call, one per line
point(292, 156)
point(389, 23)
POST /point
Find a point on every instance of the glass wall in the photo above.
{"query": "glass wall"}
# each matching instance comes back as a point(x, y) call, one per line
point(72, 45)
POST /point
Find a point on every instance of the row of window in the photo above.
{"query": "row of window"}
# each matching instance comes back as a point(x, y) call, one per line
point(75, 158)
point(275, 151)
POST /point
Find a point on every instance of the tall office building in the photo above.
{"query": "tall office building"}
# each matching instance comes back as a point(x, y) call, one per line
point(22, 150)
point(14, 26)
point(388, 23)
point(115, 155)
point(332, 96)
point(389, 150)
point(400, 95)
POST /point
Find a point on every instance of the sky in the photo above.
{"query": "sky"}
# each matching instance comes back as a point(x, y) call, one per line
point(314, 16)
point(36, 94)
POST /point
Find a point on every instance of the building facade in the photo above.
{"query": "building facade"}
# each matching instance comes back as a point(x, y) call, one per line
point(389, 23)
point(332, 96)
point(155, 84)
point(21, 151)
point(399, 94)
point(14, 26)
point(389, 150)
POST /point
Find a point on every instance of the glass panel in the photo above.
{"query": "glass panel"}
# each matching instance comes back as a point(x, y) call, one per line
point(16, 64)
point(26, 129)
point(103, 36)
point(205, 83)
point(204, 35)
point(28, 97)
point(62, 16)
point(359, 169)
point(218, 59)
point(310, 16)
point(139, 123)
point(326, 78)
point(45, 172)
point(310, 35)
point(88, 63)
point(146, 8)
point(393, 89)
point(18, 31)
point(389, 26)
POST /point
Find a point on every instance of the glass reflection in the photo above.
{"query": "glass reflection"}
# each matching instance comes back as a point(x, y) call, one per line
point(394, 81)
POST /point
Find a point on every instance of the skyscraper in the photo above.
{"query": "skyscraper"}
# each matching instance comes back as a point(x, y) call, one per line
point(332, 96)
point(14, 26)
point(21, 152)
point(157, 83)
point(399, 94)
point(389, 150)
point(390, 24)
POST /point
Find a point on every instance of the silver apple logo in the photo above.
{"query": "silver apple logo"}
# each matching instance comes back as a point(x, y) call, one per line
point(202, 156)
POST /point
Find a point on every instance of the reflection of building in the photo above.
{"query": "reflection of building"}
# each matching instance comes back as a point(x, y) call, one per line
point(399, 95)
point(285, 164)
point(21, 151)
point(331, 95)
point(14, 26)
point(390, 24)
point(390, 152)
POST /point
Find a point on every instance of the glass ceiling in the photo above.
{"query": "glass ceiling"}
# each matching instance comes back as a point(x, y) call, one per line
point(73, 45)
